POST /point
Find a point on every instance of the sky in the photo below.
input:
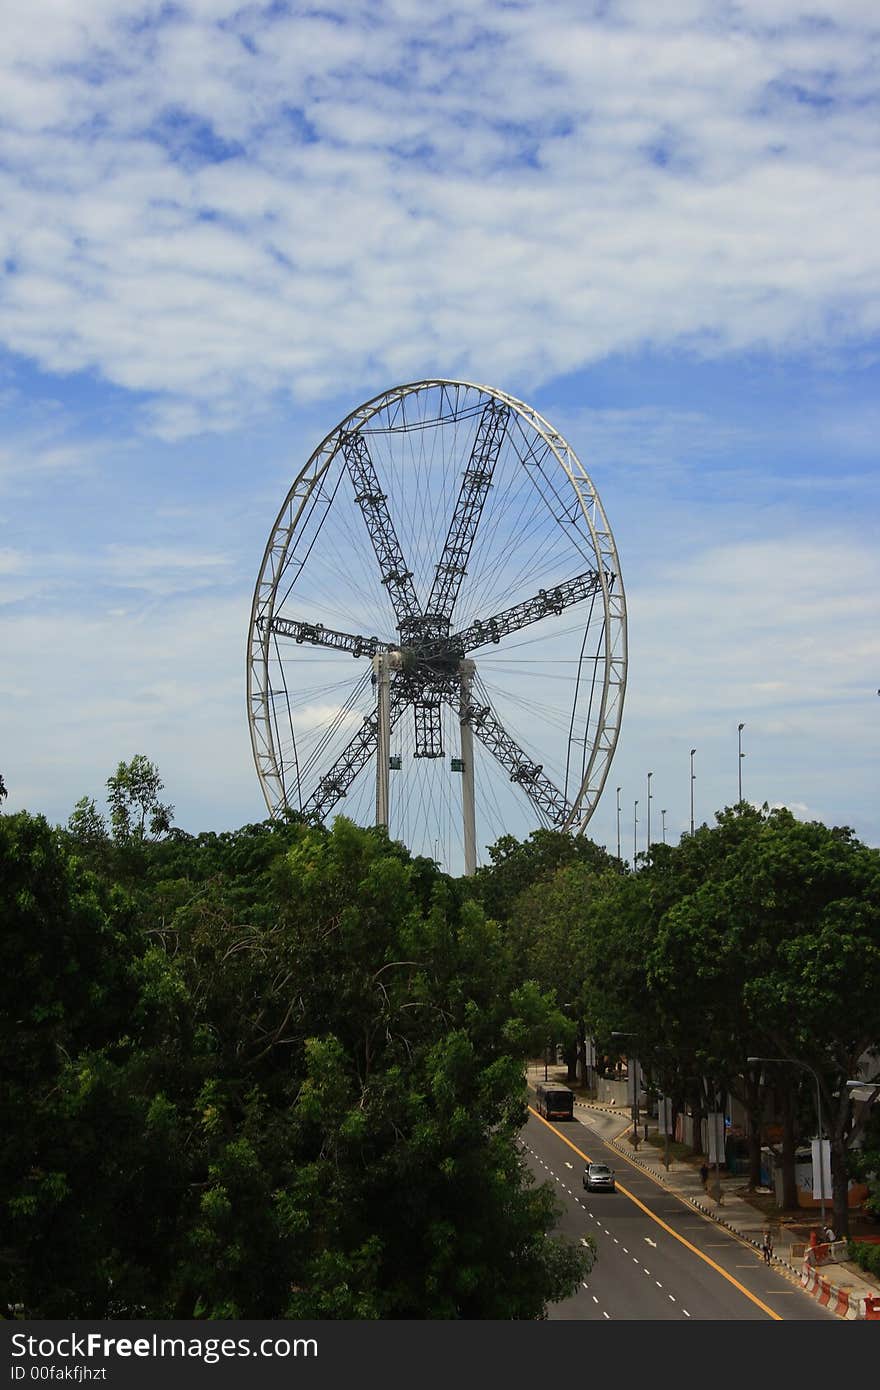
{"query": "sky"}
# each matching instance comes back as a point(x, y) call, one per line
point(224, 227)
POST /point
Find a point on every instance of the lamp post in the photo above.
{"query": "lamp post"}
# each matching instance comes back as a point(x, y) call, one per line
point(663, 814)
point(693, 779)
point(635, 828)
point(648, 839)
point(739, 734)
point(633, 1063)
point(618, 822)
point(795, 1062)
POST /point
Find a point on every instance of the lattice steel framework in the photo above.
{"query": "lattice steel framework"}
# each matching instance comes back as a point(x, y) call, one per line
point(431, 650)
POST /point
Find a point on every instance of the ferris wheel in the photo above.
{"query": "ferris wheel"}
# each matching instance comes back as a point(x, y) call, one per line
point(438, 631)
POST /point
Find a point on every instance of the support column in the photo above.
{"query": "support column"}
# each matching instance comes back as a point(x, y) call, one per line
point(466, 670)
point(382, 677)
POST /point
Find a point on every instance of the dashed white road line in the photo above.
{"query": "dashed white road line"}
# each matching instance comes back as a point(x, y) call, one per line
point(686, 1313)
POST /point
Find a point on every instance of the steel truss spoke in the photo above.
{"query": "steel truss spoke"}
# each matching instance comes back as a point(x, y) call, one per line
point(319, 636)
point(519, 767)
point(452, 565)
point(374, 506)
point(545, 602)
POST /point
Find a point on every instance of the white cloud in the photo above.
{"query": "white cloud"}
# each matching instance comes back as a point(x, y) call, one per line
point(292, 203)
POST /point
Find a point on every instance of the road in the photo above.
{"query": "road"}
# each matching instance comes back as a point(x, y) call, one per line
point(658, 1258)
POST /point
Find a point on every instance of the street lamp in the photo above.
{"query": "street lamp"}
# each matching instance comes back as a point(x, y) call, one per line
point(633, 1063)
point(635, 824)
point(648, 842)
point(663, 814)
point(739, 731)
point(872, 1086)
point(795, 1062)
point(693, 779)
point(618, 822)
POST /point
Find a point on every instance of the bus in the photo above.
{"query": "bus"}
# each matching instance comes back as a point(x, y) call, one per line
point(554, 1102)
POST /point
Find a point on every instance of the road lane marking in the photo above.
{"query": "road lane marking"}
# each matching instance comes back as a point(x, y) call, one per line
point(651, 1242)
point(606, 1315)
point(686, 1313)
point(707, 1259)
point(568, 1165)
point(595, 1299)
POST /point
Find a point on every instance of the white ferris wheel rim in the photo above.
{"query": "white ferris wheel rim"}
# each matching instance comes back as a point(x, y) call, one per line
point(613, 688)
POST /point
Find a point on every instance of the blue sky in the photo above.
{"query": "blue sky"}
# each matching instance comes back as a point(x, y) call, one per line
point(226, 226)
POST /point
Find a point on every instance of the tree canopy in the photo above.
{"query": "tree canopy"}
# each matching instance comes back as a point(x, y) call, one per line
point(278, 1073)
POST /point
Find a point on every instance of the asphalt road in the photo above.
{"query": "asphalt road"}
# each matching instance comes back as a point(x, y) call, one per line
point(658, 1258)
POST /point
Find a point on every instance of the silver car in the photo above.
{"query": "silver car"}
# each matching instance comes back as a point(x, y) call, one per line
point(598, 1177)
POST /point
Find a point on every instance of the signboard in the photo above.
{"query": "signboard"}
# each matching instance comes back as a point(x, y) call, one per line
point(715, 1136)
point(633, 1079)
point(824, 1172)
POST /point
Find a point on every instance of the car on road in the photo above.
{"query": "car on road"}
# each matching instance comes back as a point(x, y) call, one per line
point(598, 1177)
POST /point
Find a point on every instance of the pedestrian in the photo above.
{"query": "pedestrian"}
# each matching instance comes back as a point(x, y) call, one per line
point(767, 1246)
point(704, 1174)
point(829, 1235)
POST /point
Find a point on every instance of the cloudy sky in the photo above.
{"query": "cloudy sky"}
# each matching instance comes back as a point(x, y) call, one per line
point(226, 226)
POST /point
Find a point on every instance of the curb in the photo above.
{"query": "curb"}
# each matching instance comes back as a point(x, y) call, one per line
point(829, 1295)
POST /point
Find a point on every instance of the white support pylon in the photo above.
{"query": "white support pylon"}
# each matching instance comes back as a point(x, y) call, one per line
point(466, 670)
point(382, 674)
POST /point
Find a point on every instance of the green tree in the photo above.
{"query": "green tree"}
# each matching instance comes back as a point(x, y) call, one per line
point(780, 946)
point(63, 995)
point(87, 825)
point(300, 1098)
point(136, 813)
point(518, 865)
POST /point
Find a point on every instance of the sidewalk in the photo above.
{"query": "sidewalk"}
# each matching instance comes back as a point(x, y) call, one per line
point(839, 1286)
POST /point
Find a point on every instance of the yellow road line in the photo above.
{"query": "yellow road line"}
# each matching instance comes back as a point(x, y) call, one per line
point(777, 1317)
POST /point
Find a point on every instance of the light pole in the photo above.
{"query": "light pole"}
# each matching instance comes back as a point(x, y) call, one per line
point(635, 825)
point(663, 814)
point(739, 733)
point(693, 779)
point(618, 822)
point(633, 1064)
point(795, 1062)
point(648, 842)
